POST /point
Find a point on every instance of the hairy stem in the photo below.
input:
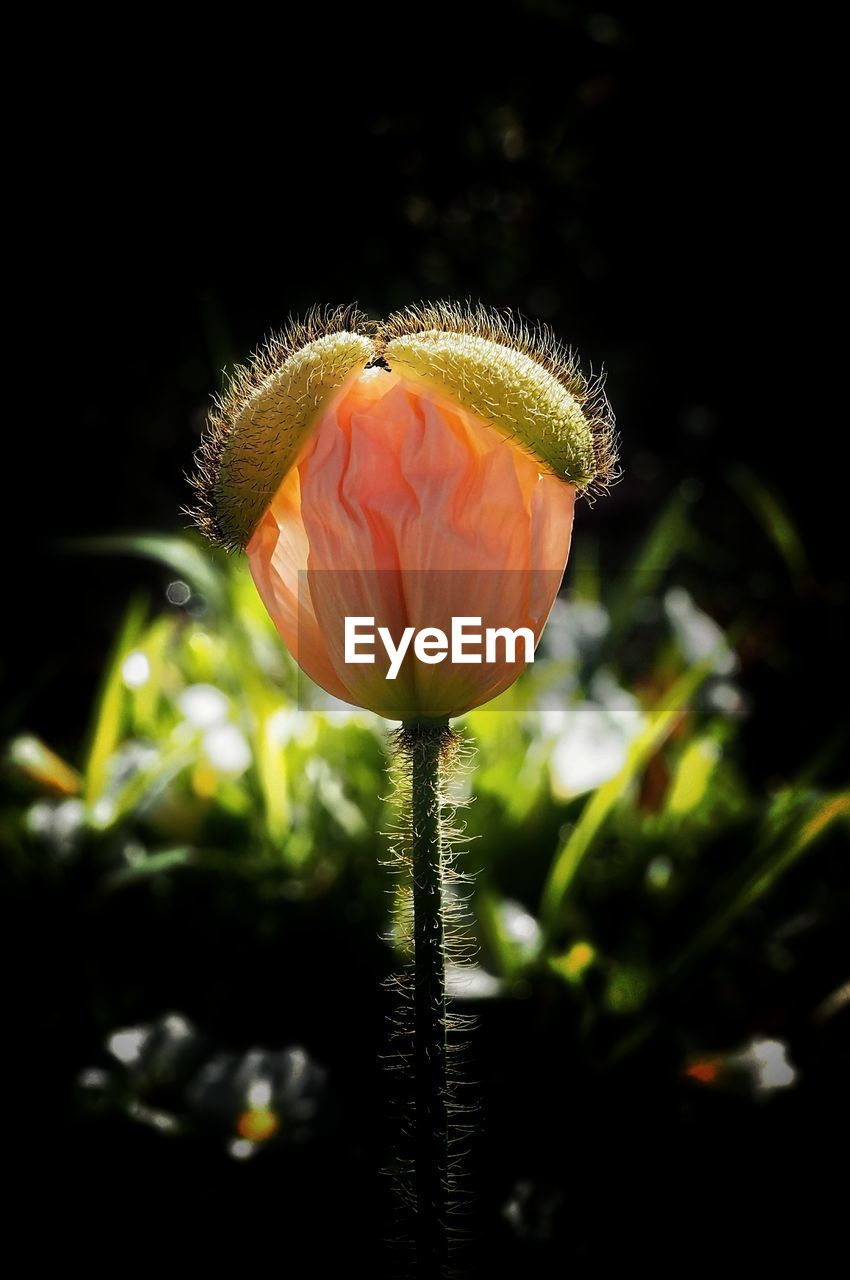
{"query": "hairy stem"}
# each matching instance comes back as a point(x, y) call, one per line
point(430, 1135)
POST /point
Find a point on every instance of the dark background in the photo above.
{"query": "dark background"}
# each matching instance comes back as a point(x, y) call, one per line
point(644, 183)
point(647, 183)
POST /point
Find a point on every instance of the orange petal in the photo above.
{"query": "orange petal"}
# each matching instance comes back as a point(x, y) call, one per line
point(406, 508)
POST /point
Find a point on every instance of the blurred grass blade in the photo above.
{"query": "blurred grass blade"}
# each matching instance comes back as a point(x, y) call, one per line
point(269, 754)
point(108, 721)
point(665, 540)
point(181, 555)
point(770, 512)
point(271, 769)
point(660, 723)
point(820, 817)
point(692, 778)
point(147, 696)
point(29, 756)
point(144, 786)
point(153, 864)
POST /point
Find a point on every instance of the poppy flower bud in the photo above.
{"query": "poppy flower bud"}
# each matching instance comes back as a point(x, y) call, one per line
point(406, 477)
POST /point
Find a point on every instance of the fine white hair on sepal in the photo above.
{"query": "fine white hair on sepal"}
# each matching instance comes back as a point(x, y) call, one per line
point(264, 414)
point(514, 375)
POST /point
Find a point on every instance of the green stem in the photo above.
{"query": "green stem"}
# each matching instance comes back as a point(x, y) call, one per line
point(426, 743)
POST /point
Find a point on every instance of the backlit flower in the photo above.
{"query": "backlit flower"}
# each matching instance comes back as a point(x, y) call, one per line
point(411, 474)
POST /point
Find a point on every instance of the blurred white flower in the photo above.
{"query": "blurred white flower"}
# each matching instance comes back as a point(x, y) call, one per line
point(242, 1148)
point(605, 690)
point(575, 629)
point(471, 982)
point(127, 1045)
point(767, 1063)
point(175, 1026)
point(697, 635)
point(62, 821)
point(593, 738)
point(227, 749)
point(259, 1093)
point(725, 698)
point(290, 724)
point(521, 927)
point(135, 670)
point(204, 705)
point(588, 752)
point(103, 811)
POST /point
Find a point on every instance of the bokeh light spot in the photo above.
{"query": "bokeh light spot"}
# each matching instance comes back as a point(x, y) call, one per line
point(178, 593)
point(257, 1124)
point(259, 1094)
point(135, 670)
point(576, 961)
point(705, 1072)
point(659, 872)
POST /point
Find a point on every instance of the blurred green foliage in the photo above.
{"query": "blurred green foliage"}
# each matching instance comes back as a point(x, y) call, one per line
point(198, 899)
point(596, 811)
